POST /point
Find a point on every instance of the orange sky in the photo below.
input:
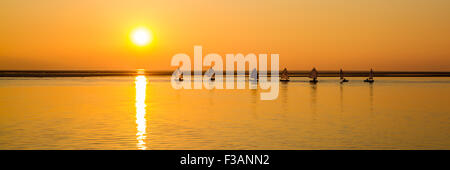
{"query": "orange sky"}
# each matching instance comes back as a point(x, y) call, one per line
point(328, 34)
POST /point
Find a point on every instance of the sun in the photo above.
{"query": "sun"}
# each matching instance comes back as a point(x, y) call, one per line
point(141, 36)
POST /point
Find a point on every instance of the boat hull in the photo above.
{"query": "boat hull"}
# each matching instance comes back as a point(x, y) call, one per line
point(344, 80)
point(369, 81)
point(313, 81)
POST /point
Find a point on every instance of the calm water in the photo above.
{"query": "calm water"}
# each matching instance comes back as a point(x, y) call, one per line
point(146, 113)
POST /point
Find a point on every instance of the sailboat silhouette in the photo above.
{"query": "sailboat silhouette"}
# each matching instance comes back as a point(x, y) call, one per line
point(284, 75)
point(211, 73)
point(254, 75)
point(313, 74)
point(179, 74)
point(370, 79)
point(341, 75)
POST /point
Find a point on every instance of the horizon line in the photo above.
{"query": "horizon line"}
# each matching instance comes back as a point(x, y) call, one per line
point(203, 70)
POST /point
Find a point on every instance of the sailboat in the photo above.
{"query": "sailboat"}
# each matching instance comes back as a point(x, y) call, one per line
point(179, 75)
point(212, 73)
point(341, 75)
point(313, 74)
point(213, 77)
point(254, 75)
point(284, 75)
point(370, 79)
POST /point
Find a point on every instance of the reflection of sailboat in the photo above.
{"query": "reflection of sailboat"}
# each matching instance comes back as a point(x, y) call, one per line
point(179, 74)
point(370, 79)
point(254, 75)
point(341, 88)
point(284, 75)
point(371, 97)
point(211, 73)
point(341, 75)
point(314, 98)
point(313, 74)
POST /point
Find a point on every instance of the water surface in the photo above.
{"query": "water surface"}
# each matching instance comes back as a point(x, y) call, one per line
point(147, 113)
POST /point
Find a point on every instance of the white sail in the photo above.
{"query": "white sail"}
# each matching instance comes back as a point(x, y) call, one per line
point(254, 74)
point(210, 72)
point(341, 74)
point(371, 74)
point(179, 74)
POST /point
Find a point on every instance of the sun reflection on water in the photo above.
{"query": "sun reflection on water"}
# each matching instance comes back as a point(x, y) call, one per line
point(141, 85)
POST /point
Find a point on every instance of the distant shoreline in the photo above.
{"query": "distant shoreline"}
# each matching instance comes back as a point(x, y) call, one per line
point(100, 73)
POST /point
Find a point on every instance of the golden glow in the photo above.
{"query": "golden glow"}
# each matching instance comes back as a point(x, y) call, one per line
point(328, 35)
point(140, 71)
point(141, 135)
point(141, 36)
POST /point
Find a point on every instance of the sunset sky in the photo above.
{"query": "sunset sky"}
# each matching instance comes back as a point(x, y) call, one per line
point(394, 35)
